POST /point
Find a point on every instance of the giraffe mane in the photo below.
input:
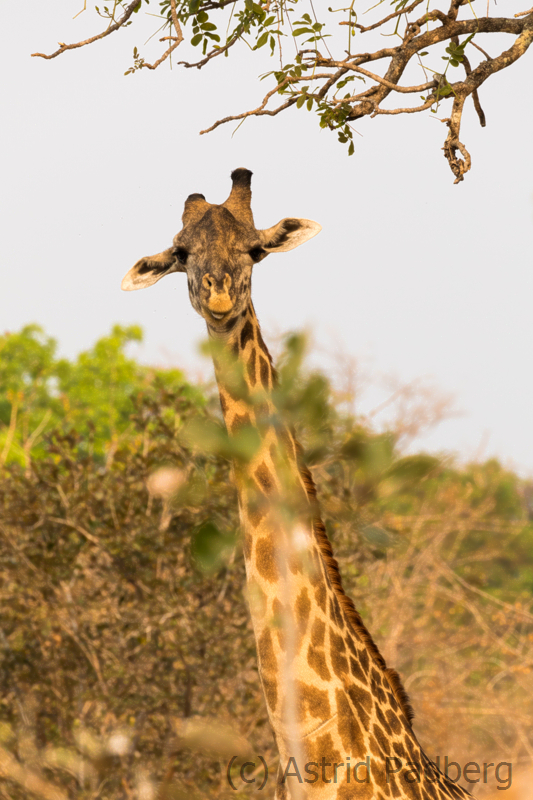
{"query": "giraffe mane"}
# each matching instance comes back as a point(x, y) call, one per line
point(332, 568)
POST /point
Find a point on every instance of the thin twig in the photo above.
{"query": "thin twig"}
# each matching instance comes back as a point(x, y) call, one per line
point(385, 19)
point(125, 17)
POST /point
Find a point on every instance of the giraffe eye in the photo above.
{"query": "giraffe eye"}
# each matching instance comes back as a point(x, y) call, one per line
point(181, 254)
point(256, 253)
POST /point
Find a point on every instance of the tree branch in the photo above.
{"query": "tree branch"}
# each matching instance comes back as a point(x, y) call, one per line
point(112, 28)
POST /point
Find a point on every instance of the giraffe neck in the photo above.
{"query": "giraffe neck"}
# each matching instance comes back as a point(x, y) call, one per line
point(328, 691)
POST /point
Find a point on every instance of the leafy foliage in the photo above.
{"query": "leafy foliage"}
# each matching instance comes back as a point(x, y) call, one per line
point(321, 50)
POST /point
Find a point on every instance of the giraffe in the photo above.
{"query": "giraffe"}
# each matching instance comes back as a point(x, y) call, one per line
point(341, 718)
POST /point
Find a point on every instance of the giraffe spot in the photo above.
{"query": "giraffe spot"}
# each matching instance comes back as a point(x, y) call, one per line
point(353, 647)
point(255, 515)
point(265, 648)
point(377, 768)
point(230, 324)
point(363, 660)
point(256, 508)
point(240, 421)
point(264, 372)
point(395, 789)
point(265, 479)
point(377, 691)
point(337, 612)
point(295, 564)
point(339, 662)
point(355, 669)
point(399, 750)
point(362, 701)
point(412, 790)
point(381, 739)
point(270, 689)
point(317, 661)
point(352, 737)
point(429, 789)
point(323, 748)
point(247, 333)
point(273, 452)
point(374, 746)
point(269, 667)
point(346, 791)
point(261, 342)
point(303, 609)
point(337, 642)
point(312, 702)
point(321, 597)
point(394, 722)
point(251, 367)
point(376, 677)
point(318, 633)
point(265, 559)
point(383, 721)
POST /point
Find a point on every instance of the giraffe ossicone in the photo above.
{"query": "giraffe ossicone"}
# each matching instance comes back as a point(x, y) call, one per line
point(341, 718)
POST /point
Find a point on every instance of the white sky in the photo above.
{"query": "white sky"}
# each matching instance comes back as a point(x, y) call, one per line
point(412, 276)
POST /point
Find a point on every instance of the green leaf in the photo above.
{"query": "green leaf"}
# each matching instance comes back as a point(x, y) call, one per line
point(197, 39)
point(310, 104)
point(208, 26)
point(300, 101)
point(194, 5)
point(203, 16)
point(377, 536)
point(351, 149)
point(300, 31)
point(262, 40)
point(210, 548)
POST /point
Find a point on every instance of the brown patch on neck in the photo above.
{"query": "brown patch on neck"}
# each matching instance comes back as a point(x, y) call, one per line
point(346, 603)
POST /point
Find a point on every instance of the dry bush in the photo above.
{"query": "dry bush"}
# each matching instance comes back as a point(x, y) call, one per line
point(127, 659)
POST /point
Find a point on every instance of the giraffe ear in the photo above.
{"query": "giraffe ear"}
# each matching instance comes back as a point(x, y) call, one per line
point(288, 234)
point(150, 269)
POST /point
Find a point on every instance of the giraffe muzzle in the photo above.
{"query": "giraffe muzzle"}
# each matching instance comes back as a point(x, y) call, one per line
point(219, 303)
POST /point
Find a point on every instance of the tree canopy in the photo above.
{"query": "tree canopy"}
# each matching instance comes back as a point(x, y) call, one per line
point(437, 57)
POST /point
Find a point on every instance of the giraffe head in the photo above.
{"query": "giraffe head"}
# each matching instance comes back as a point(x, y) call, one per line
point(217, 248)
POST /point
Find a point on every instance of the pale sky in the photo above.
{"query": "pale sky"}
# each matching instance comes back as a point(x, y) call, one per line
point(411, 276)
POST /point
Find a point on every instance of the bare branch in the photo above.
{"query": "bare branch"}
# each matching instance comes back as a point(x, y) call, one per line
point(261, 110)
point(524, 13)
point(112, 28)
point(385, 19)
point(211, 55)
point(408, 110)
